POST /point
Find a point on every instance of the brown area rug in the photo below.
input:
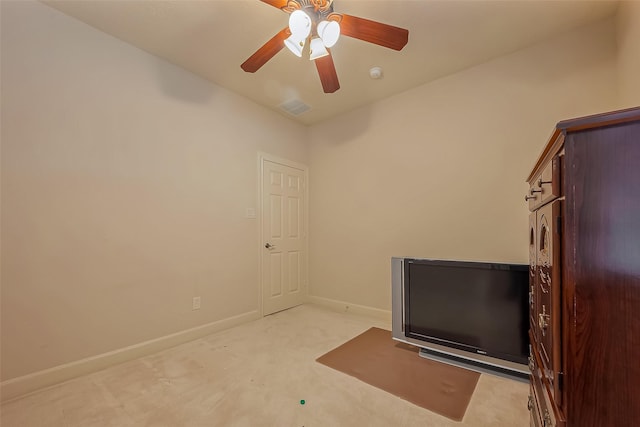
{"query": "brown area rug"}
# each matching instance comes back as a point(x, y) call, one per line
point(375, 358)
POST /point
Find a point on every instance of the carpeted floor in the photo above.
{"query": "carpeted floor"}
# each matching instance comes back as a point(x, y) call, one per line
point(255, 374)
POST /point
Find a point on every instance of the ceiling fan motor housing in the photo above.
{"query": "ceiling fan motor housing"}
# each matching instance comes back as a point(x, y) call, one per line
point(318, 10)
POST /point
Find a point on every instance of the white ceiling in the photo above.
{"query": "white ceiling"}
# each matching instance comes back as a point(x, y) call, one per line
point(212, 38)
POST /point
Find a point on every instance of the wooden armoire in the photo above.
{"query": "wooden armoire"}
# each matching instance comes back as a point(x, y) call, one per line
point(584, 256)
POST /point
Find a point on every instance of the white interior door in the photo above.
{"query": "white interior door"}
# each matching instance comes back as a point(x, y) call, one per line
point(284, 236)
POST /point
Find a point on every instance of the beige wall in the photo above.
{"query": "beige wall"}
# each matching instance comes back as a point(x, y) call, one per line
point(125, 180)
point(438, 172)
point(124, 187)
point(629, 53)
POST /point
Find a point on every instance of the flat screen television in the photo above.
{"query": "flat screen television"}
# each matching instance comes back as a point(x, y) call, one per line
point(477, 311)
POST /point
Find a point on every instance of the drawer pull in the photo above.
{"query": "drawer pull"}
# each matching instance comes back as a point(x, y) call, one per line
point(527, 198)
point(531, 299)
point(541, 182)
point(543, 319)
point(530, 403)
point(532, 191)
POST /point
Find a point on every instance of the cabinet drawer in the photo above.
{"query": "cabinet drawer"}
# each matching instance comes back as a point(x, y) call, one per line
point(548, 414)
point(543, 411)
point(546, 185)
point(540, 412)
point(534, 408)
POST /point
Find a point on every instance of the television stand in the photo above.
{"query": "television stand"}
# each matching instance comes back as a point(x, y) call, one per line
point(483, 368)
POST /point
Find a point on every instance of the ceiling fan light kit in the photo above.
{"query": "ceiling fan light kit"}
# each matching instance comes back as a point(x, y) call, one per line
point(295, 45)
point(316, 19)
point(317, 49)
point(329, 32)
point(299, 24)
point(300, 27)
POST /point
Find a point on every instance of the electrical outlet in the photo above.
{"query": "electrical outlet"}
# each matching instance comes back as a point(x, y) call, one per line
point(196, 303)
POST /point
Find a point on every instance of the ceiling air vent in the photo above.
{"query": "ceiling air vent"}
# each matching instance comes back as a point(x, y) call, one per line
point(295, 107)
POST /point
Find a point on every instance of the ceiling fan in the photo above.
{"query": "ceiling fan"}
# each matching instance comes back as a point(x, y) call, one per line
point(316, 20)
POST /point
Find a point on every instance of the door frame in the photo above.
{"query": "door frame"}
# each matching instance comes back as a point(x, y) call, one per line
point(262, 157)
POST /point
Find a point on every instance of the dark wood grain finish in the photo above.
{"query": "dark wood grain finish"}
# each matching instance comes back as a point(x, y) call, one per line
point(555, 185)
point(327, 72)
point(598, 120)
point(603, 248)
point(545, 187)
point(533, 277)
point(373, 32)
point(582, 123)
point(535, 402)
point(548, 314)
point(266, 52)
point(552, 148)
point(276, 3)
point(546, 407)
point(588, 369)
point(534, 405)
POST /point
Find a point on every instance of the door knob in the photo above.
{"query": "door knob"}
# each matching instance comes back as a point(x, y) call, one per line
point(270, 246)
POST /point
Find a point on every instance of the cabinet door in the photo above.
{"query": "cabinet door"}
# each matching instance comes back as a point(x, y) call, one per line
point(548, 314)
point(533, 276)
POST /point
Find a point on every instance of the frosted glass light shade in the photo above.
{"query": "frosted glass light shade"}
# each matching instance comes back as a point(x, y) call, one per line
point(299, 24)
point(295, 45)
point(329, 32)
point(317, 49)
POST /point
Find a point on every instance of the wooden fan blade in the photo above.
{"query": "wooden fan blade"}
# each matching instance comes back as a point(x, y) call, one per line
point(373, 32)
point(276, 3)
point(287, 6)
point(327, 72)
point(266, 52)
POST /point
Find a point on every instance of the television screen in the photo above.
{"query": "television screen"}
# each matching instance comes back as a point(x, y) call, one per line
point(479, 307)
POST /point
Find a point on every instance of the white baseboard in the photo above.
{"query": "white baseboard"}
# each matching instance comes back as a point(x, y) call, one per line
point(17, 387)
point(347, 307)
